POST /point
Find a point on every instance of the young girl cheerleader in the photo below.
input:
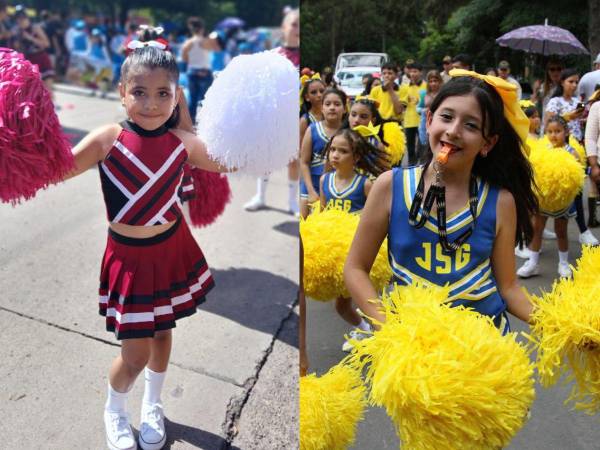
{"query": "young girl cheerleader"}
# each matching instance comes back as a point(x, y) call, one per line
point(389, 136)
point(478, 185)
point(311, 110)
point(318, 134)
point(347, 189)
point(557, 131)
point(153, 272)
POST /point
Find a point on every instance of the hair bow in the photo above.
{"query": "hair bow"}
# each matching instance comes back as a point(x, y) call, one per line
point(508, 92)
point(305, 78)
point(526, 104)
point(160, 44)
point(157, 30)
point(367, 130)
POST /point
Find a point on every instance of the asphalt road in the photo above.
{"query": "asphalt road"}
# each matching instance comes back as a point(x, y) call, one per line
point(232, 380)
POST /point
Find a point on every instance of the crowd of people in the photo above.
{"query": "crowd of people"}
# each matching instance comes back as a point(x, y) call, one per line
point(89, 51)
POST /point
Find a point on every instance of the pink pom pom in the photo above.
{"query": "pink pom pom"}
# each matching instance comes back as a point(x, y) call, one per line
point(34, 152)
point(212, 193)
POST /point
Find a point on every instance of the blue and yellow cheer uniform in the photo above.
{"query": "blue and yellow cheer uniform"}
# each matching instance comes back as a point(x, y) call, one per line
point(351, 199)
point(317, 164)
point(415, 254)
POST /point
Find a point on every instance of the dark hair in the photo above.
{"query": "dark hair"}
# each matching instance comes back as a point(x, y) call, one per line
point(195, 23)
point(377, 119)
point(530, 111)
point(153, 58)
point(559, 120)
point(341, 94)
point(548, 83)
point(506, 166)
point(371, 159)
point(491, 69)
point(390, 66)
point(414, 65)
point(306, 106)
point(369, 85)
point(566, 73)
point(464, 59)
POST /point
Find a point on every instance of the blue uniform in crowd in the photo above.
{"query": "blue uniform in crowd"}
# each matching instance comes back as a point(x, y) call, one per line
point(415, 254)
point(351, 199)
point(317, 164)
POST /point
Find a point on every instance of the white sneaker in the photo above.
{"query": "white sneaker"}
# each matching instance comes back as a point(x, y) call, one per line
point(254, 204)
point(547, 234)
point(118, 431)
point(357, 334)
point(587, 238)
point(522, 253)
point(564, 271)
point(529, 269)
point(152, 427)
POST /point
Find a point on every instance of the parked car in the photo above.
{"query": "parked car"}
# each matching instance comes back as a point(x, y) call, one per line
point(349, 79)
point(350, 68)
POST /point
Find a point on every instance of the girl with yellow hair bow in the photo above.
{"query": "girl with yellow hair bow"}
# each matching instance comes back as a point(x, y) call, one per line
point(477, 204)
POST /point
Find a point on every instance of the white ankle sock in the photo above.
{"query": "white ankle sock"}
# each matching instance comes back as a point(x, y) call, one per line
point(534, 256)
point(293, 193)
point(563, 256)
point(153, 383)
point(261, 188)
point(116, 400)
point(364, 325)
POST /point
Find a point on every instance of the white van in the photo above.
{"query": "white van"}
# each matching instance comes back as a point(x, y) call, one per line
point(351, 67)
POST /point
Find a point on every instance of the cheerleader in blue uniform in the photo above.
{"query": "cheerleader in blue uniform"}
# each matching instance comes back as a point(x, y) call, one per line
point(456, 219)
point(311, 110)
point(318, 134)
point(346, 187)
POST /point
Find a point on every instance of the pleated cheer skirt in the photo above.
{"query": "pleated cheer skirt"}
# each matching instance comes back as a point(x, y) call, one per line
point(147, 284)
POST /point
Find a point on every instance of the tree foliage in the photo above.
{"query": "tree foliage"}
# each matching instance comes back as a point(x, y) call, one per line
point(430, 29)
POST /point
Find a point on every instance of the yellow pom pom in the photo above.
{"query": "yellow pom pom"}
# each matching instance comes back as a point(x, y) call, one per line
point(396, 141)
point(566, 331)
point(326, 237)
point(330, 408)
point(446, 376)
point(558, 177)
point(573, 143)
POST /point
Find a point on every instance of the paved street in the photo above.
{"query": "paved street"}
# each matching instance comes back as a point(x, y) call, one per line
point(232, 380)
point(552, 426)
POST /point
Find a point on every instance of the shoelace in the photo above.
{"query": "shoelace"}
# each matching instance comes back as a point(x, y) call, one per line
point(152, 416)
point(119, 424)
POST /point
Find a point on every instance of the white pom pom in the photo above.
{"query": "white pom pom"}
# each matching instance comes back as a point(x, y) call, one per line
point(249, 117)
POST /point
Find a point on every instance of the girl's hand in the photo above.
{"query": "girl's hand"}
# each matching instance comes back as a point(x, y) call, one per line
point(313, 196)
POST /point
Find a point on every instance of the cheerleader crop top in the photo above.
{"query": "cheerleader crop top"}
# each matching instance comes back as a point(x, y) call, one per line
point(141, 176)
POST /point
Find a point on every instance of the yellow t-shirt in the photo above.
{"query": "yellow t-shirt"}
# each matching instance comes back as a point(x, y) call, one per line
point(386, 106)
point(411, 116)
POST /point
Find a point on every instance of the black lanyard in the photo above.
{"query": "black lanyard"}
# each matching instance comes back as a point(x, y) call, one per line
point(437, 193)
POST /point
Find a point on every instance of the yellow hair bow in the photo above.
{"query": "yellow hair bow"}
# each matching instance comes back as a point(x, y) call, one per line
point(508, 92)
point(526, 104)
point(305, 78)
point(367, 130)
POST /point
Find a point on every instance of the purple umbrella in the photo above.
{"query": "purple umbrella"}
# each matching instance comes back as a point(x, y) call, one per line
point(230, 22)
point(543, 39)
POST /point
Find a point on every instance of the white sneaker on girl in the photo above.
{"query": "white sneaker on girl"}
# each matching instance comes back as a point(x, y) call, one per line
point(118, 431)
point(152, 427)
